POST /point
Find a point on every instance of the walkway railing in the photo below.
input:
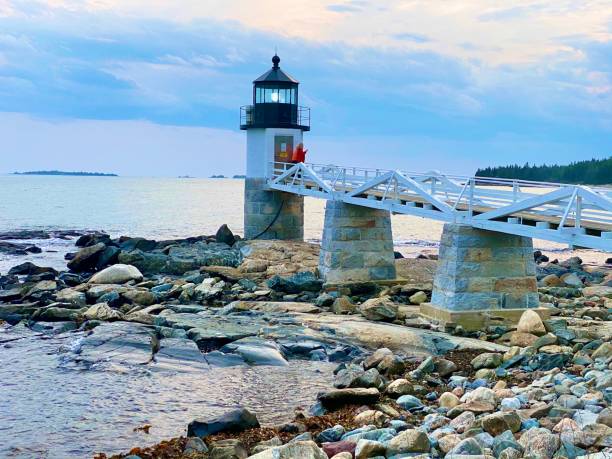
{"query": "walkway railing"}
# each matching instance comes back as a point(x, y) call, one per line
point(573, 214)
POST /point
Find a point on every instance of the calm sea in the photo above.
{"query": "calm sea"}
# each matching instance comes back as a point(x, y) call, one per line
point(162, 208)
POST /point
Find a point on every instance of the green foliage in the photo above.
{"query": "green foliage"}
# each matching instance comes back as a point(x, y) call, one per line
point(591, 172)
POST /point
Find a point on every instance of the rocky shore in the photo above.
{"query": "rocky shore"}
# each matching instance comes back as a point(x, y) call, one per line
point(404, 386)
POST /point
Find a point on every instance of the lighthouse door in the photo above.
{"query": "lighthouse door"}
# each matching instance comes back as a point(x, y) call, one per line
point(283, 148)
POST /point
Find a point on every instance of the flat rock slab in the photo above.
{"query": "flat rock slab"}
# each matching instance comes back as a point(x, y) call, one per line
point(275, 306)
point(180, 354)
point(118, 342)
point(409, 341)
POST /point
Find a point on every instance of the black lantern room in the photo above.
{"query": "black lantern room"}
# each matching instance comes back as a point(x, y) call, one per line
point(275, 102)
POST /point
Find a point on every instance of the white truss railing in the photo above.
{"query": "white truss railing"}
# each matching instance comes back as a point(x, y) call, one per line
point(577, 215)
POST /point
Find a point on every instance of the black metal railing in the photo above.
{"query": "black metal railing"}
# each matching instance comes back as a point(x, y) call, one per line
point(275, 115)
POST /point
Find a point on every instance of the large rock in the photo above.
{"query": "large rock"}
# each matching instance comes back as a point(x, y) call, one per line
point(117, 274)
point(298, 283)
point(225, 235)
point(379, 309)
point(351, 396)
point(409, 441)
point(598, 290)
point(237, 420)
point(29, 268)
point(102, 311)
point(294, 450)
point(530, 322)
point(256, 351)
point(539, 443)
point(86, 258)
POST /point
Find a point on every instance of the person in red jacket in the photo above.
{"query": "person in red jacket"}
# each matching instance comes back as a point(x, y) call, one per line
point(299, 154)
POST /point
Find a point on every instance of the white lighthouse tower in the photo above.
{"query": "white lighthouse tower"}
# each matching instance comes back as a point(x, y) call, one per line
point(275, 124)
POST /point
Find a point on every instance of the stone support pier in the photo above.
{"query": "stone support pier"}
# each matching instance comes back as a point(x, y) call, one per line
point(262, 205)
point(483, 277)
point(357, 244)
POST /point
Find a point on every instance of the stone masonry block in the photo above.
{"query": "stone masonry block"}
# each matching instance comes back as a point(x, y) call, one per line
point(357, 244)
point(484, 270)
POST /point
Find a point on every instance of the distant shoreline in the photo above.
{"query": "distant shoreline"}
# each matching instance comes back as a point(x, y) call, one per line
point(74, 174)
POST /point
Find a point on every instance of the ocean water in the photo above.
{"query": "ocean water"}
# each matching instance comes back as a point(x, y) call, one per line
point(164, 208)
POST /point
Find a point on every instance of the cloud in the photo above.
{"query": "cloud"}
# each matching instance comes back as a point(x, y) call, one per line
point(446, 73)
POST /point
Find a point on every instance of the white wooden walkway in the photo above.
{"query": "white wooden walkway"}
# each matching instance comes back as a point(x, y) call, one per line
point(577, 215)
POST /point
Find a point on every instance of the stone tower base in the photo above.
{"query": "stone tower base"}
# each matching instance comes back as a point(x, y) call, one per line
point(357, 244)
point(261, 207)
point(482, 277)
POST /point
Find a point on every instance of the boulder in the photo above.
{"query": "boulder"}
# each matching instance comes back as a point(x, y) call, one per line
point(72, 296)
point(86, 258)
point(350, 396)
point(369, 448)
point(102, 311)
point(117, 274)
point(293, 450)
point(29, 268)
point(418, 298)
point(540, 443)
point(497, 423)
point(224, 235)
point(409, 441)
point(298, 283)
point(236, 420)
point(343, 305)
point(379, 309)
point(487, 360)
point(256, 351)
point(530, 322)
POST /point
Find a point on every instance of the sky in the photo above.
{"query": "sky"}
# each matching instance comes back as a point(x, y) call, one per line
point(153, 87)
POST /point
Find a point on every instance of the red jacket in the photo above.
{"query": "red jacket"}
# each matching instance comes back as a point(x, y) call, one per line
point(299, 155)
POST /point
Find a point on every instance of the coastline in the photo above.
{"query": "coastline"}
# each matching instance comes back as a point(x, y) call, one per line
point(206, 302)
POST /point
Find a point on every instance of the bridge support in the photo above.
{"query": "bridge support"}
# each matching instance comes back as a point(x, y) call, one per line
point(357, 244)
point(483, 278)
point(282, 212)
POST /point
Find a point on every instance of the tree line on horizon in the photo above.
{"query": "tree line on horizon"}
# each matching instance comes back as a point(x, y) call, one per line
point(589, 172)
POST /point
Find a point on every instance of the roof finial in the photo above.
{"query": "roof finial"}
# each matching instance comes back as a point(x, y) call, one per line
point(275, 59)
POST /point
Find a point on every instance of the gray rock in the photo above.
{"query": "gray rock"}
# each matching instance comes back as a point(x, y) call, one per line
point(236, 420)
point(86, 258)
point(379, 309)
point(350, 396)
point(117, 274)
point(293, 450)
point(256, 351)
point(409, 441)
point(540, 443)
point(487, 360)
point(298, 283)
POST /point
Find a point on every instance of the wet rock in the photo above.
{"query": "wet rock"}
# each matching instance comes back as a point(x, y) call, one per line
point(86, 258)
point(236, 420)
point(256, 351)
point(117, 274)
point(379, 309)
point(195, 445)
point(530, 322)
point(121, 343)
point(331, 435)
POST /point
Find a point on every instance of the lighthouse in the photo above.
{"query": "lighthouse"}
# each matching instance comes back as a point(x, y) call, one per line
point(275, 124)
